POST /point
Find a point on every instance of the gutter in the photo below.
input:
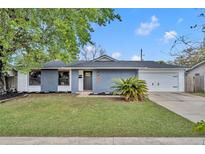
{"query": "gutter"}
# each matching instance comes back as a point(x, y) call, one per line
point(93, 68)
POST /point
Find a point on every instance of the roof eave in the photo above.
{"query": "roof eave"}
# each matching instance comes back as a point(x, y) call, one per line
point(125, 68)
point(195, 66)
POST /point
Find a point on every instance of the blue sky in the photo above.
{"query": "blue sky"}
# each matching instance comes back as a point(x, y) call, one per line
point(153, 30)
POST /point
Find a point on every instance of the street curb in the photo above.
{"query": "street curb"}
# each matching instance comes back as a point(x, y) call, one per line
point(102, 140)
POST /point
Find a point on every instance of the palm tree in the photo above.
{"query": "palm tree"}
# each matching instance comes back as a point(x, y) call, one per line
point(132, 88)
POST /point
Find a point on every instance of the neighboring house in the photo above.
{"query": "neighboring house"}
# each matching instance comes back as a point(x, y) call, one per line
point(97, 76)
point(195, 78)
point(11, 80)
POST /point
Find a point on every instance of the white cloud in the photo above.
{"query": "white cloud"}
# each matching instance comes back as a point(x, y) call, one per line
point(116, 55)
point(146, 28)
point(170, 35)
point(136, 58)
point(180, 20)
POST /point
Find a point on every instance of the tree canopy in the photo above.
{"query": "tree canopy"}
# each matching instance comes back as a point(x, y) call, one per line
point(190, 51)
point(30, 37)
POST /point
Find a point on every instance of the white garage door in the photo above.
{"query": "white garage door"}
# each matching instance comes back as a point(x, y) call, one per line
point(161, 81)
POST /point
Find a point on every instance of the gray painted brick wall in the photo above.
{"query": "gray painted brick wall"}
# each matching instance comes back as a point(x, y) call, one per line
point(103, 79)
point(74, 80)
point(49, 80)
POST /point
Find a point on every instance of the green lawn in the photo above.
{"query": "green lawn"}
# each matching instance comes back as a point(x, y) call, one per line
point(199, 94)
point(66, 115)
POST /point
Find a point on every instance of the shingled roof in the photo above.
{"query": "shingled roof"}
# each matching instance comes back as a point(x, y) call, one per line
point(105, 61)
point(121, 64)
point(54, 64)
point(110, 63)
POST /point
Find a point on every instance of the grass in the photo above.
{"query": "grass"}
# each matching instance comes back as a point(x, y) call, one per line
point(66, 115)
point(199, 94)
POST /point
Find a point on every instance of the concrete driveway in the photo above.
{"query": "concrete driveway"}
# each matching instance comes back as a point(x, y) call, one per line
point(187, 105)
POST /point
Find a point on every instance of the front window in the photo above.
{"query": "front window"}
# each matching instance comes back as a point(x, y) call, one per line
point(35, 78)
point(63, 78)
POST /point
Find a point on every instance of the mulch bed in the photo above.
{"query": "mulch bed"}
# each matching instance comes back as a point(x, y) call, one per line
point(10, 95)
point(106, 94)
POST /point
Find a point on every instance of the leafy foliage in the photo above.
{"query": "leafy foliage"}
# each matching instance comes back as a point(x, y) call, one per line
point(193, 52)
point(188, 52)
point(30, 37)
point(132, 88)
point(199, 127)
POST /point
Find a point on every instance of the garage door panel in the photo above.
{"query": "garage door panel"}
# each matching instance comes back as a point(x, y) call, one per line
point(159, 81)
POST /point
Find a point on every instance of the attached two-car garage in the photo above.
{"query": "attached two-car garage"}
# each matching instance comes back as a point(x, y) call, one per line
point(163, 80)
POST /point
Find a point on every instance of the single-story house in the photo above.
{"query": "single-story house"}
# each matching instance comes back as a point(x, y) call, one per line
point(97, 76)
point(195, 78)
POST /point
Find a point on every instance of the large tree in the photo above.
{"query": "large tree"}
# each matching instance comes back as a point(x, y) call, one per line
point(188, 52)
point(190, 55)
point(92, 51)
point(30, 37)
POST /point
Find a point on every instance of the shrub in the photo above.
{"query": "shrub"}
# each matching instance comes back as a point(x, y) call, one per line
point(132, 88)
point(199, 127)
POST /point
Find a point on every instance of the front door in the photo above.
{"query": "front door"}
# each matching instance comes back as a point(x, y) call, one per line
point(87, 80)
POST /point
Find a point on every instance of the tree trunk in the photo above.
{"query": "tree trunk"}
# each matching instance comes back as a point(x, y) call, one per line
point(3, 84)
point(2, 81)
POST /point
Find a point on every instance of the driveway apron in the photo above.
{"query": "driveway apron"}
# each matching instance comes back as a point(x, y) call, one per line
point(187, 105)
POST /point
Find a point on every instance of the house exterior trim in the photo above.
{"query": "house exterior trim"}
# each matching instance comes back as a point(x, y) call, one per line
point(136, 68)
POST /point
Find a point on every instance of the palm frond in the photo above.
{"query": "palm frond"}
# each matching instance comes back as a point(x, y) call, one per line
point(132, 88)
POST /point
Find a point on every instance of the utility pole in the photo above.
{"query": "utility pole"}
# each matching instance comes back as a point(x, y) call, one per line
point(141, 55)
